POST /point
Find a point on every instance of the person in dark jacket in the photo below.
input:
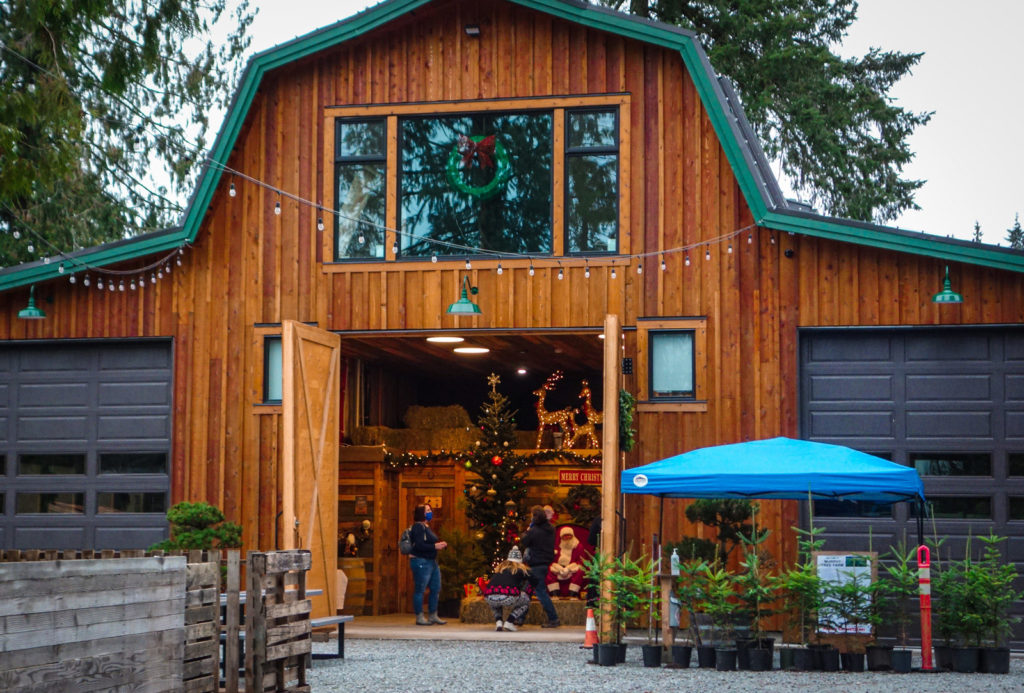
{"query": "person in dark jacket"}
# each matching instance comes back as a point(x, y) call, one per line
point(509, 585)
point(423, 562)
point(539, 544)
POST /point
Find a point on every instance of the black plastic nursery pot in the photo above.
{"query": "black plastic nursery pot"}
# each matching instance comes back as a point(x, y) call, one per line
point(706, 657)
point(827, 657)
point(879, 657)
point(965, 660)
point(787, 657)
point(725, 658)
point(652, 655)
point(852, 661)
point(805, 659)
point(994, 660)
point(620, 656)
point(760, 659)
point(607, 654)
point(901, 661)
point(943, 657)
point(681, 655)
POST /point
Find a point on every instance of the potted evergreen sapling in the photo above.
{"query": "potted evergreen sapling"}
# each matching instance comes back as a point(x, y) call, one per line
point(689, 592)
point(801, 590)
point(849, 601)
point(639, 578)
point(755, 592)
point(718, 602)
point(967, 586)
point(897, 590)
point(997, 577)
point(460, 564)
point(599, 569)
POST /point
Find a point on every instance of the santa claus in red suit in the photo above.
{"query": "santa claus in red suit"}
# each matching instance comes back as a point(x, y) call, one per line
point(565, 575)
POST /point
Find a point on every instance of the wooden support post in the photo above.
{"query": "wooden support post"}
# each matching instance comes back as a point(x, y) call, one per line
point(610, 456)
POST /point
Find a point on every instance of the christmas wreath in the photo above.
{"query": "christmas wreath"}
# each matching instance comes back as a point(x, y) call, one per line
point(583, 503)
point(489, 154)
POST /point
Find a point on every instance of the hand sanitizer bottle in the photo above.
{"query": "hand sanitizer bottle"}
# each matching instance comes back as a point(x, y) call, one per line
point(674, 562)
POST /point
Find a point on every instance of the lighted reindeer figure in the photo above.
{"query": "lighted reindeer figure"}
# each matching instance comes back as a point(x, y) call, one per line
point(563, 419)
point(594, 419)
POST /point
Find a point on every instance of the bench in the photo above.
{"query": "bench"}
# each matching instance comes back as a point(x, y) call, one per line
point(340, 621)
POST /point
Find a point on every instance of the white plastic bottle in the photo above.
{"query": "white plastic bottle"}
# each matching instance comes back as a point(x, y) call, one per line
point(674, 562)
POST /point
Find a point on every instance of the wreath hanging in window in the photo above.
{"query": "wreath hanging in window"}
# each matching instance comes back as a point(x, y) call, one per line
point(489, 154)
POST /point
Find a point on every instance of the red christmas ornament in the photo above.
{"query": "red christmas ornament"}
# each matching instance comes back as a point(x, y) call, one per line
point(496, 460)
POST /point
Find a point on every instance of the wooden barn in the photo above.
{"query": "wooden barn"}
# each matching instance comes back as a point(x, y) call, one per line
point(567, 163)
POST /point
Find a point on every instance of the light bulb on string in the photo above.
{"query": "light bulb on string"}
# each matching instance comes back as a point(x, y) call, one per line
point(31, 248)
point(531, 269)
point(16, 233)
point(60, 269)
point(86, 282)
point(133, 286)
point(152, 279)
point(639, 268)
point(561, 275)
point(110, 285)
point(99, 284)
point(750, 238)
point(362, 238)
point(469, 265)
point(231, 189)
point(663, 265)
point(729, 249)
point(73, 279)
point(707, 254)
point(160, 274)
point(500, 270)
point(46, 260)
point(613, 272)
point(177, 261)
point(319, 223)
point(771, 239)
point(120, 286)
point(277, 208)
point(394, 248)
point(433, 258)
point(586, 271)
point(687, 260)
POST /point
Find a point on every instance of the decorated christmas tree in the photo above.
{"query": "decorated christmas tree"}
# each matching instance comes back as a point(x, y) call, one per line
point(494, 498)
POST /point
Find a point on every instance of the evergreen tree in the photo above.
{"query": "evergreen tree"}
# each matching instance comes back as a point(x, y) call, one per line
point(96, 97)
point(494, 498)
point(1015, 235)
point(829, 120)
point(977, 232)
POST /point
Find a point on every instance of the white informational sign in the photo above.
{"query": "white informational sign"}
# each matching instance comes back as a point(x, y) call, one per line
point(840, 569)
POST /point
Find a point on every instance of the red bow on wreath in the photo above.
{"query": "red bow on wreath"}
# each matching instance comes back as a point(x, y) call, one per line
point(484, 151)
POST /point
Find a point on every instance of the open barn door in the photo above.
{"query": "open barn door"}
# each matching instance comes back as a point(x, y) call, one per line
point(309, 463)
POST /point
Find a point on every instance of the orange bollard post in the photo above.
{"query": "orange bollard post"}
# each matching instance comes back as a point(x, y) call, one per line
point(924, 577)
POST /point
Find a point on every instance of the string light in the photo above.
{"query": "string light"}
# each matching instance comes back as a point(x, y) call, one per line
point(31, 248)
point(586, 272)
point(663, 265)
point(277, 208)
point(99, 284)
point(133, 287)
point(231, 190)
point(772, 239)
point(561, 275)
point(729, 249)
point(319, 223)
point(16, 233)
point(362, 238)
point(531, 269)
point(433, 258)
point(613, 272)
point(152, 279)
point(469, 265)
point(750, 238)
point(500, 270)
point(73, 279)
point(707, 254)
point(61, 268)
point(639, 268)
point(687, 261)
point(394, 248)
point(120, 286)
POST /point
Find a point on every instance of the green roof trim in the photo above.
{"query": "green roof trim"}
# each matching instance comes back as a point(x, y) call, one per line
point(599, 18)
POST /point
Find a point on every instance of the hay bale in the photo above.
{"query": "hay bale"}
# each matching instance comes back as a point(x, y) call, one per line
point(453, 416)
point(571, 612)
point(369, 435)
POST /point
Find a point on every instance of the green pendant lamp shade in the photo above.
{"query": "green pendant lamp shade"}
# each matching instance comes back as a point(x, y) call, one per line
point(464, 306)
point(30, 312)
point(947, 295)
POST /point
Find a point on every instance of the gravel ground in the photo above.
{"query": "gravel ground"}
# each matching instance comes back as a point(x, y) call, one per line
point(379, 666)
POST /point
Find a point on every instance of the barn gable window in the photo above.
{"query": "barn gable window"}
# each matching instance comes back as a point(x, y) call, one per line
point(672, 364)
point(529, 177)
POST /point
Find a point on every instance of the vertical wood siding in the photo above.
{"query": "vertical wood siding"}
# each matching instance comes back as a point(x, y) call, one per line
point(250, 266)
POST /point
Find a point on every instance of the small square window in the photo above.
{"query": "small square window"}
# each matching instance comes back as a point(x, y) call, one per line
point(272, 378)
point(672, 364)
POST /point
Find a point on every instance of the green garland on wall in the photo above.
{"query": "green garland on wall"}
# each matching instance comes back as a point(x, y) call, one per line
point(395, 462)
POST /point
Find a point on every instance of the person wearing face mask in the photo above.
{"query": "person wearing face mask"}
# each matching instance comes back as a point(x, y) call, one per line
point(423, 562)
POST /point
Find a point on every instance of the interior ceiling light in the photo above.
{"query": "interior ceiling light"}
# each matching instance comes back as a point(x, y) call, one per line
point(471, 350)
point(441, 339)
point(521, 371)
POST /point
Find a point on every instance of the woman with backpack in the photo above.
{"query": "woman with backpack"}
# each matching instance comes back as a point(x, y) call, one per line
point(423, 562)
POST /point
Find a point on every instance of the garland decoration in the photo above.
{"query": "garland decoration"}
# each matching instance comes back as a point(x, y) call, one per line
point(396, 461)
point(489, 153)
point(627, 410)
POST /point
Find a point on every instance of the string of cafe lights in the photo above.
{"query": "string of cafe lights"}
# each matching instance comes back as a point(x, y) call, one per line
point(460, 249)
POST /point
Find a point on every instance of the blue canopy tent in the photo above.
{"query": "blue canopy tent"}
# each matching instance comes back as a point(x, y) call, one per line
point(776, 468)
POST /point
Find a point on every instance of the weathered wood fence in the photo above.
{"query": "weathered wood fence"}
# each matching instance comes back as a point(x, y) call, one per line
point(135, 622)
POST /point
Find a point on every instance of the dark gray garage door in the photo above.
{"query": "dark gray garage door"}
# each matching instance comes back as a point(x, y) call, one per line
point(85, 431)
point(949, 402)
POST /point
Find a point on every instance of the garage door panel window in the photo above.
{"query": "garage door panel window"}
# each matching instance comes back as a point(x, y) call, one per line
point(51, 464)
point(1015, 508)
point(118, 502)
point(952, 464)
point(846, 508)
point(133, 463)
point(1015, 464)
point(957, 508)
point(50, 504)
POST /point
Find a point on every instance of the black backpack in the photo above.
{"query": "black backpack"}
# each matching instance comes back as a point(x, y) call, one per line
point(405, 542)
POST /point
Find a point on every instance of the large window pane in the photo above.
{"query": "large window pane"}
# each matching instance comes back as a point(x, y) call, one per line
point(952, 464)
point(272, 378)
point(108, 502)
point(671, 364)
point(133, 463)
point(360, 189)
point(51, 464)
point(592, 221)
point(845, 508)
point(50, 503)
point(476, 181)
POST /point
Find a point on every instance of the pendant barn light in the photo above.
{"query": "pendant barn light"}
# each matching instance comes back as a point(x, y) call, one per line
point(31, 312)
point(464, 306)
point(947, 295)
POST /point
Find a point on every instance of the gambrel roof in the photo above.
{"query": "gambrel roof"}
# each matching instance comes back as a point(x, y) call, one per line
point(746, 158)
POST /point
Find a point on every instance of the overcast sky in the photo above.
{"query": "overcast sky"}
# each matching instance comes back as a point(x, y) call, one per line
point(971, 76)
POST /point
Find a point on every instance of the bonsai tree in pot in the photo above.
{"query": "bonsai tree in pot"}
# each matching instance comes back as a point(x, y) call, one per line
point(731, 517)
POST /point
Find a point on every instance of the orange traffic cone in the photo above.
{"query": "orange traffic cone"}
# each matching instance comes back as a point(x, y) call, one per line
point(591, 637)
